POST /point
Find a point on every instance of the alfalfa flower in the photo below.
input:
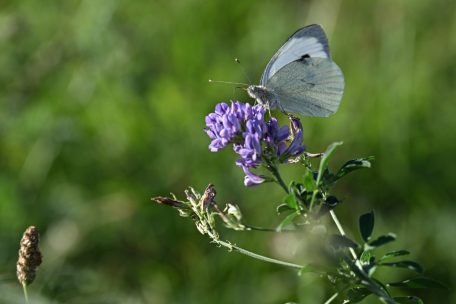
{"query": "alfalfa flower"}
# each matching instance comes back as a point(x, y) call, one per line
point(256, 142)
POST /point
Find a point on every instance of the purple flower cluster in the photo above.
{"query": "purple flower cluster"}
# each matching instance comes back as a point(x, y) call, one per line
point(255, 140)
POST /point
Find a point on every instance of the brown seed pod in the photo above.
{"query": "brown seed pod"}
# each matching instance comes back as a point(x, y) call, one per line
point(29, 256)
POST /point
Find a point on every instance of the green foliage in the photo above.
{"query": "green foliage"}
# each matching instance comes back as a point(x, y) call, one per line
point(351, 266)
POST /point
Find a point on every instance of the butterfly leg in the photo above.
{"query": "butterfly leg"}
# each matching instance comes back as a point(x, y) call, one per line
point(283, 110)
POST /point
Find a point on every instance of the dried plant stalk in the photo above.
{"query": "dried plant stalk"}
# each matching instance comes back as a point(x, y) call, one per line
point(29, 256)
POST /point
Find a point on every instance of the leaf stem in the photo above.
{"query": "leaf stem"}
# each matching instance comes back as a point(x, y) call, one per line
point(257, 256)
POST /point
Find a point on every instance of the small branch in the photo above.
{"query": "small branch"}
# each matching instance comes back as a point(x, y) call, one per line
point(257, 256)
point(254, 228)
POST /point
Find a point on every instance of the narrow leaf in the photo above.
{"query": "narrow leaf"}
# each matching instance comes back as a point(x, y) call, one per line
point(366, 225)
point(325, 159)
point(353, 165)
point(309, 182)
point(393, 254)
point(342, 241)
point(357, 294)
point(419, 282)
point(287, 221)
point(330, 203)
point(283, 208)
point(405, 264)
point(375, 286)
point(383, 239)
point(408, 300)
point(290, 200)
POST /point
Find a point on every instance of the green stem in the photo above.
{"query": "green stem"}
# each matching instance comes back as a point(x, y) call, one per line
point(342, 232)
point(24, 288)
point(312, 200)
point(332, 298)
point(279, 179)
point(257, 256)
point(268, 229)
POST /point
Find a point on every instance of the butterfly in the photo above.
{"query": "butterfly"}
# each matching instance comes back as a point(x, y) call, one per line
point(301, 77)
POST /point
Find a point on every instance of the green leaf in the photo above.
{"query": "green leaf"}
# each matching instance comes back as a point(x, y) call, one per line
point(408, 300)
point(287, 221)
point(383, 239)
point(366, 225)
point(353, 165)
point(405, 264)
point(368, 262)
point(393, 254)
point(365, 257)
point(419, 282)
point(342, 241)
point(325, 160)
point(283, 208)
point(309, 182)
point(291, 201)
point(357, 294)
point(375, 286)
point(330, 203)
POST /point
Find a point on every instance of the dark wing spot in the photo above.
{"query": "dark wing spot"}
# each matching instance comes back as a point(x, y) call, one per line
point(304, 57)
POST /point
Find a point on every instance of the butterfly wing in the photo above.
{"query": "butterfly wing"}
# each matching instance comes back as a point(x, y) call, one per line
point(310, 87)
point(310, 40)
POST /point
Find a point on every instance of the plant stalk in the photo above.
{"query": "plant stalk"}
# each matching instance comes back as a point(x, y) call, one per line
point(342, 232)
point(277, 176)
point(332, 298)
point(254, 228)
point(24, 288)
point(312, 200)
point(257, 256)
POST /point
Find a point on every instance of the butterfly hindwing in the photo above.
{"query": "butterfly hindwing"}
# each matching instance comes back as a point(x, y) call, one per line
point(310, 87)
point(309, 41)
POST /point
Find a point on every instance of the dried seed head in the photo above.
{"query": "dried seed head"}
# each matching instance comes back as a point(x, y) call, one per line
point(168, 201)
point(29, 256)
point(208, 197)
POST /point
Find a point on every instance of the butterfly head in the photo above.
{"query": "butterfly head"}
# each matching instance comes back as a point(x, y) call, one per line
point(262, 95)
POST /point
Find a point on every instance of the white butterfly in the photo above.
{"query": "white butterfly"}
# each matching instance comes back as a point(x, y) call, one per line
point(301, 77)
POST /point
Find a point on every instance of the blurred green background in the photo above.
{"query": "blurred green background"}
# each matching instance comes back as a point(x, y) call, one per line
point(102, 106)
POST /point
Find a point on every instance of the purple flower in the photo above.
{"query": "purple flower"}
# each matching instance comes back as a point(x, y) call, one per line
point(243, 126)
point(224, 124)
point(251, 179)
point(276, 136)
point(296, 146)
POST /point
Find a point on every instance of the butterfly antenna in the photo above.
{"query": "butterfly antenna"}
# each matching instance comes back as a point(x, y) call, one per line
point(243, 69)
point(229, 82)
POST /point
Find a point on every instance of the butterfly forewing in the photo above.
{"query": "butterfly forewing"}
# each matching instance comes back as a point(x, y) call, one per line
point(310, 87)
point(308, 41)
